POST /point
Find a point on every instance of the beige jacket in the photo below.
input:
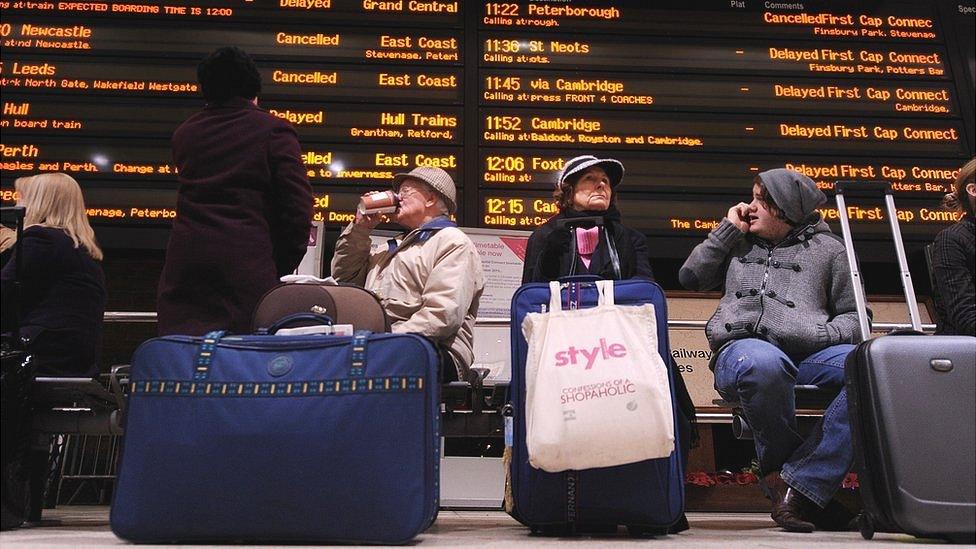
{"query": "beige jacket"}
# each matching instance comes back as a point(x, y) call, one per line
point(430, 287)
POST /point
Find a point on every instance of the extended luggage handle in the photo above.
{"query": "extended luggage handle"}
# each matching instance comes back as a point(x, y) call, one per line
point(207, 348)
point(874, 188)
point(584, 279)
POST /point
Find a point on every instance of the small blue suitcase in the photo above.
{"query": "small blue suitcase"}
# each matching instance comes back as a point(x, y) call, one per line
point(647, 497)
point(306, 438)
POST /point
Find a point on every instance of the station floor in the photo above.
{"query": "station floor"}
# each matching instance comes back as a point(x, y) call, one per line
point(87, 526)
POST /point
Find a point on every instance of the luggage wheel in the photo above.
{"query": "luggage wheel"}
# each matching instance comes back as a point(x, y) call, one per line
point(551, 530)
point(645, 531)
point(866, 526)
point(961, 539)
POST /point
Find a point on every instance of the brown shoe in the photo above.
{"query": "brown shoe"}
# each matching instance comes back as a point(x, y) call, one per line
point(792, 512)
point(773, 487)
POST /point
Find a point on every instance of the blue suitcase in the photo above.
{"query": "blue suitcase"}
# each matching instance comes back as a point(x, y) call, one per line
point(647, 497)
point(307, 438)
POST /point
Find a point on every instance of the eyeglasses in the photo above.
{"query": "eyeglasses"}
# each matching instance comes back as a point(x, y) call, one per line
point(407, 191)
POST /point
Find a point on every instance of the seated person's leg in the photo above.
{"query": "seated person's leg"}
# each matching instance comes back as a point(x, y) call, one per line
point(825, 368)
point(762, 378)
point(817, 468)
point(820, 464)
point(447, 367)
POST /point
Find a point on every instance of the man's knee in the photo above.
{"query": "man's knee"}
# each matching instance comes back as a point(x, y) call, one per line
point(825, 369)
point(831, 378)
point(753, 363)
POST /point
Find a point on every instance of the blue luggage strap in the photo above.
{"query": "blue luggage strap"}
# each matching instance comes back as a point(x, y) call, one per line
point(205, 355)
point(574, 297)
point(359, 341)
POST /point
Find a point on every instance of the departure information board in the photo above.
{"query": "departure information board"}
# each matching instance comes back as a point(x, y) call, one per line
point(694, 97)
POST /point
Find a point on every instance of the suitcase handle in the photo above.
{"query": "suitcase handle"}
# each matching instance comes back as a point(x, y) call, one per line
point(862, 188)
point(208, 346)
point(293, 318)
point(585, 222)
point(582, 278)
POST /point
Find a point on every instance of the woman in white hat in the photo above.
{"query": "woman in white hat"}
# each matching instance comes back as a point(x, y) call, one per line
point(587, 236)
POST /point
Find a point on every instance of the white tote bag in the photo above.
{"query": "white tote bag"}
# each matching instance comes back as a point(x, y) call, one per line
point(597, 391)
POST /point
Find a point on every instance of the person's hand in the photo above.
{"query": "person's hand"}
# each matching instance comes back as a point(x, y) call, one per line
point(369, 221)
point(739, 216)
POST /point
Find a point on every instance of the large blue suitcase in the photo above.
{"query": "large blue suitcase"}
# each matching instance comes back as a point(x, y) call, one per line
point(647, 497)
point(307, 438)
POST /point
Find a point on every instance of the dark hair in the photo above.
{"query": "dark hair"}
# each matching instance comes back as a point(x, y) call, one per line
point(958, 199)
point(771, 204)
point(228, 72)
point(567, 189)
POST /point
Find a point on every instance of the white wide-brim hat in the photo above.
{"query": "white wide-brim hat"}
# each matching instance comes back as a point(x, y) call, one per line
point(613, 167)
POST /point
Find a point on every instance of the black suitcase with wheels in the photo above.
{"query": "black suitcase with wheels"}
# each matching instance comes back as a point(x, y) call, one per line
point(911, 401)
point(15, 423)
point(16, 374)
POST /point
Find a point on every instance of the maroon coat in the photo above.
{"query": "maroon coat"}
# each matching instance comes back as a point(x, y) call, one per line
point(242, 217)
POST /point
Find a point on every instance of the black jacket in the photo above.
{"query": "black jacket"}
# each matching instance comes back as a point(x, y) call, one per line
point(953, 263)
point(549, 252)
point(62, 302)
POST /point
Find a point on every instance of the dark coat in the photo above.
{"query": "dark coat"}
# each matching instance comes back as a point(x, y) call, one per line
point(62, 302)
point(242, 217)
point(549, 252)
point(954, 267)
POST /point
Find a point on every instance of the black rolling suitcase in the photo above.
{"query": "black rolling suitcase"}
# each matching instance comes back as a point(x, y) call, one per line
point(911, 401)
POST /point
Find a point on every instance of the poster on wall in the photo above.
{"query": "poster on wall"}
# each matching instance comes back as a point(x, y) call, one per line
point(502, 254)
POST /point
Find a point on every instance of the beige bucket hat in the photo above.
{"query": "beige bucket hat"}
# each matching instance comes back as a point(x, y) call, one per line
point(438, 179)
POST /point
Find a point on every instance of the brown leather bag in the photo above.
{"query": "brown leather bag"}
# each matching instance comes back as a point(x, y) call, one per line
point(344, 304)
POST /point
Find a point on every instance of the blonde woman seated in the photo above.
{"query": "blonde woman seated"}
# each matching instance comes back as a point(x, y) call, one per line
point(62, 292)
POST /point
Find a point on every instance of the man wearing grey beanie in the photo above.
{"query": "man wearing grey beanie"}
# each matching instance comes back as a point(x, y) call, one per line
point(787, 317)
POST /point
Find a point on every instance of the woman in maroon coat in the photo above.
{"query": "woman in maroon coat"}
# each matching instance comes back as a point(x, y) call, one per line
point(244, 207)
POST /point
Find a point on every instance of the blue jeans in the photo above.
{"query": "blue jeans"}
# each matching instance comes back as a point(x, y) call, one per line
point(761, 377)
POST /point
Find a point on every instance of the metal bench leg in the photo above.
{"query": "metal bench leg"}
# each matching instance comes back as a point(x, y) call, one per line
point(741, 429)
point(38, 467)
